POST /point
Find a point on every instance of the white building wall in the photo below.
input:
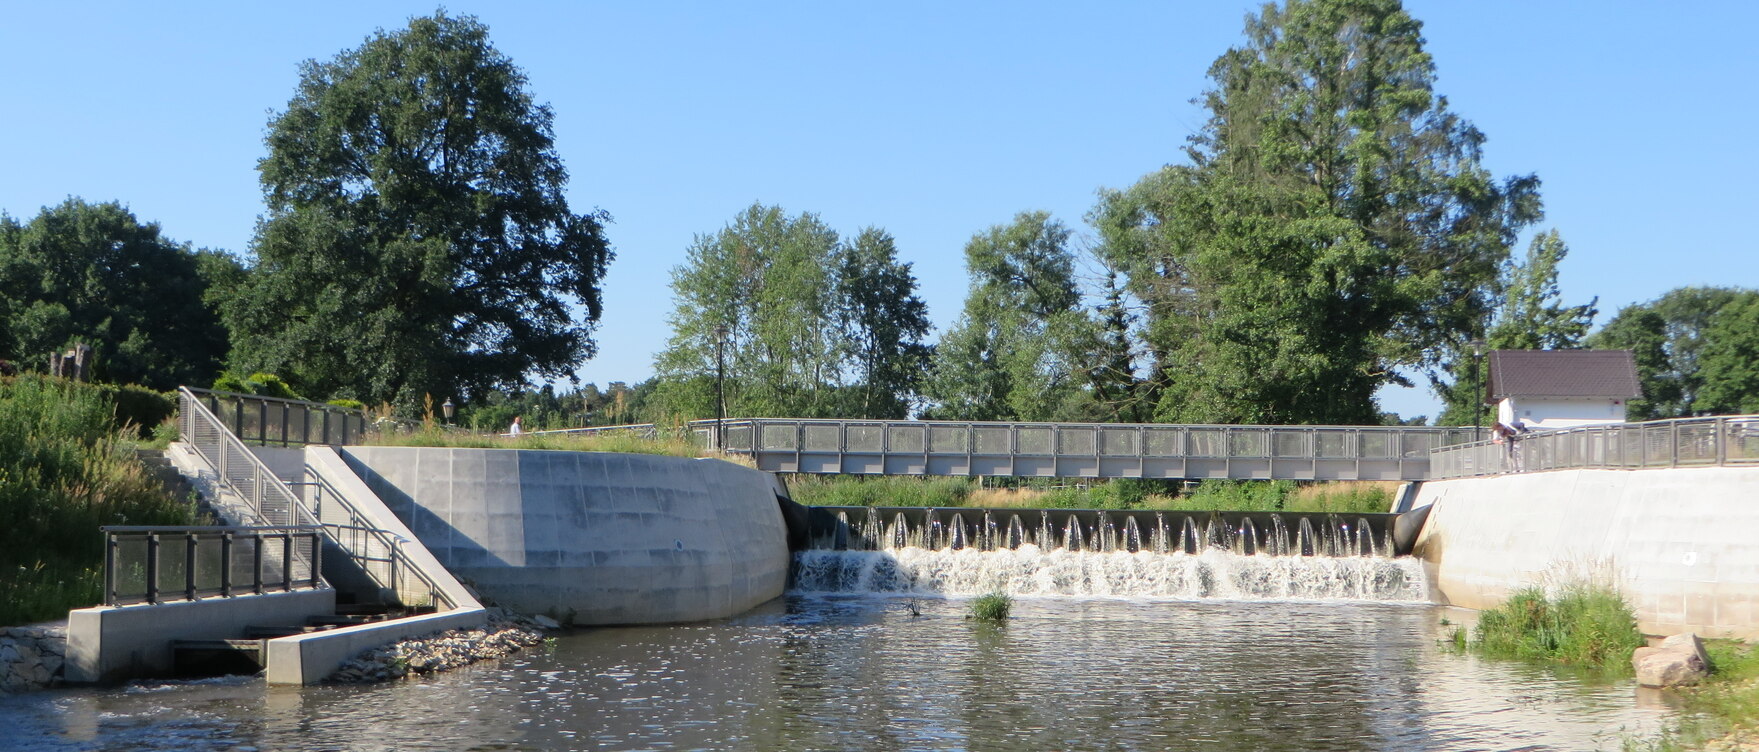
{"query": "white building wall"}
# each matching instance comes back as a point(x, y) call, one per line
point(1554, 413)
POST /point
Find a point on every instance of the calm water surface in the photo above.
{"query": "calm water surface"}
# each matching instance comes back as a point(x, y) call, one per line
point(861, 672)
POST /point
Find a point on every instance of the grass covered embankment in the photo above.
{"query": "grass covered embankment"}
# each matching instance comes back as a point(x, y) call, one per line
point(1121, 493)
point(628, 443)
point(66, 468)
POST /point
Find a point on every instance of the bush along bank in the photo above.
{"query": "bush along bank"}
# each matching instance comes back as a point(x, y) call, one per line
point(1580, 624)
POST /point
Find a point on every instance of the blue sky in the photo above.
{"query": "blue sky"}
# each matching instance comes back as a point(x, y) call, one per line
point(931, 120)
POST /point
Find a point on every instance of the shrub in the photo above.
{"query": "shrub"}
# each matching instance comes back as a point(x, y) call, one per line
point(259, 384)
point(993, 607)
point(1585, 624)
point(141, 409)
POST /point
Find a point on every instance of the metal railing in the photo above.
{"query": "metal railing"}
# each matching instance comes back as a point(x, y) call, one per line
point(1157, 450)
point(272, 421)
point(1681, 442)
point(262, 497)
point(639, 430)
point(166, 564)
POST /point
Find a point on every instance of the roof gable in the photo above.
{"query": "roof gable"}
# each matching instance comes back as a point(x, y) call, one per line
point(1563, 373)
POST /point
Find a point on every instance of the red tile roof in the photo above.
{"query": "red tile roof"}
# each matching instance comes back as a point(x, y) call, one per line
point(1563, 373)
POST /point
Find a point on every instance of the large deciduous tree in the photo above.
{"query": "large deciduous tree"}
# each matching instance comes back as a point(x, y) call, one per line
point(884, 325)
point(1012, 353)
point(1671, 337)
point(417, 238)
point(94, 273)
point(1730, 360)
point(1334, 224)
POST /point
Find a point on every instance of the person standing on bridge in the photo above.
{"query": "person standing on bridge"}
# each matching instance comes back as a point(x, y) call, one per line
point(514, 430)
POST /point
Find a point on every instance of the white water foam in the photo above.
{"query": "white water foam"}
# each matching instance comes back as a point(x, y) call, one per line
point(1030, 571)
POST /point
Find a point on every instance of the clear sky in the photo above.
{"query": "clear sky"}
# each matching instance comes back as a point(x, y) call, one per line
point(931, 120)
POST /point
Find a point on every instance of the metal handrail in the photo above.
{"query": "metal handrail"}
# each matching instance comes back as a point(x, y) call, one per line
point(361, 531)
point(746, 435)
point(1717, 441)
point(270, 499)
point(221, 580)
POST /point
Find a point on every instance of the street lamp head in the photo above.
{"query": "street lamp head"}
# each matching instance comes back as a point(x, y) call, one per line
point(720, 332)
point(448, 409)
point(1477, 346)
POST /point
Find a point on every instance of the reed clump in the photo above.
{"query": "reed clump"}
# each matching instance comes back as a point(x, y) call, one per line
point(66, 469)
point(1582, 624)
point(992, 607)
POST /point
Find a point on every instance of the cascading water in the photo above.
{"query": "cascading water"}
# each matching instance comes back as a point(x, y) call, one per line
point(1318, 558)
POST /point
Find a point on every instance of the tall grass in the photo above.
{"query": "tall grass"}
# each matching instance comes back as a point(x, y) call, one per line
point(65, 470)
point(992, 607)
point(629, 443)
point(1583, 624)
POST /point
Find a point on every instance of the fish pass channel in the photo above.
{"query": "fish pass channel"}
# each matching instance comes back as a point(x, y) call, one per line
point(1098, 553)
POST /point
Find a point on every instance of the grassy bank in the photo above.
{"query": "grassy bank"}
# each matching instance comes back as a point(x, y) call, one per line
point(1723, 712)
point(65, 470)
point(628, 443)
point(1123, 493)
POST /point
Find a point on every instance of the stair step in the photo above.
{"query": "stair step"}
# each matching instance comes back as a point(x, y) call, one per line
point(342, 621)
point(271, 632)
point(254, 646)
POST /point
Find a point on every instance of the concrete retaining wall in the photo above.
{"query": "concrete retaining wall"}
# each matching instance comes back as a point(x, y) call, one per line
point(590, 537)
point(1682, 543)
point(113, 643)
point(309, 658)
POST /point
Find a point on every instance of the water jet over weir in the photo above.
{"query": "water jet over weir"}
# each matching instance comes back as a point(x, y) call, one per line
point(1106, 553)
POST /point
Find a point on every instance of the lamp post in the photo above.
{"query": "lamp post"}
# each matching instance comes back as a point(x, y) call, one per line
point(1477, 346)
point(720, 380)
point(448, 409)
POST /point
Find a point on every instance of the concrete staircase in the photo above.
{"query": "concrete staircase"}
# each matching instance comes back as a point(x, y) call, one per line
point(249, 654)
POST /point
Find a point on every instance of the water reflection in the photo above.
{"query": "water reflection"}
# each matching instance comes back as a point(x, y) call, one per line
point(859, 672)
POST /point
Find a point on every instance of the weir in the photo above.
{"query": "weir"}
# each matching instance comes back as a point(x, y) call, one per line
point(1115, 553)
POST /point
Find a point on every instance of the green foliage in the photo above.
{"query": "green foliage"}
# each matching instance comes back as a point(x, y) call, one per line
point(259, 383)
point(1239, 496)
point(814, 327)
point(141, 409)
point(417, 240)
point(880, 490)
point(1669, 336)
point(64, 471)
point(1334, 225)
point(992, 607)
point(348, 403)
point(1585, 624)
point(1730, 362)
point(627, 443)
point(94, 273)
point(1012, 353)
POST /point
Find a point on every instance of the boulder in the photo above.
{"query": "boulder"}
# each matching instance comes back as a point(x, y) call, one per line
point(1680, 661)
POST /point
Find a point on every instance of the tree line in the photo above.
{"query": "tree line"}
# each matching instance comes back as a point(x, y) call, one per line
point(1330, 229)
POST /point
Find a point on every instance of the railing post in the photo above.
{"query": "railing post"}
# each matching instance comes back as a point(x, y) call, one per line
point(189, 544)
point(286, 415)
point(287, 560)
point(226, 564)
point(256, 563)
point(317, 556)
point(109, 569)
point(1719, 434)
point(152, 568)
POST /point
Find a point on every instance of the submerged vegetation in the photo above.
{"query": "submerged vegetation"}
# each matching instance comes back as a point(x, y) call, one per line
point(1582, 624)
point(992, 607)
point(1118, 493)
point(66, 468)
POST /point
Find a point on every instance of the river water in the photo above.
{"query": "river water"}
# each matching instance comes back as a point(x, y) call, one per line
point(1218, 670)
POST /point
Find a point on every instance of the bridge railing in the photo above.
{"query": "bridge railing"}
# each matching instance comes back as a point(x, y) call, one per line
point(1682, 442)
point(272, 421)
point(1081, 439)
point(154, 564)
point(1097, 449)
